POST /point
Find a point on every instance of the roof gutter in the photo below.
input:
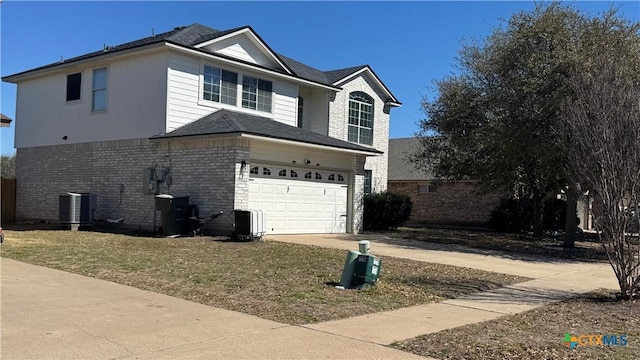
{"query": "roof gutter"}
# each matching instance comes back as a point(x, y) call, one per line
point(373, 152)
point(65, 64)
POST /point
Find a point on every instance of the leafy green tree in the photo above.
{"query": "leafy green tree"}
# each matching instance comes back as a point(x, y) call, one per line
point(496, 120)
point(8, 166)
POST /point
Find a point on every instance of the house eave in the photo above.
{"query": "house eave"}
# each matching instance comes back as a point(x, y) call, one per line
point(373, 152)
point(62, 65)
point(236, 134)
point(227, 60)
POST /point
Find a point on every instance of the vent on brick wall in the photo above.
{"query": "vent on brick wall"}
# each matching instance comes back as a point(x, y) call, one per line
point(77, 208)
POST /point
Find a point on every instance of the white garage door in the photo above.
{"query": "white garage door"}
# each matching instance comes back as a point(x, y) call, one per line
point(298, 200)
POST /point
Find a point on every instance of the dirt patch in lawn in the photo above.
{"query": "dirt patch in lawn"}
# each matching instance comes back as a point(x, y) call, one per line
point(284, 282)
point(539, 333)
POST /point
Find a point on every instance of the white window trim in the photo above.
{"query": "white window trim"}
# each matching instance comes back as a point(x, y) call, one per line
point(106, 91)
point(242, 90)
point(238, 105)
point(373, 120)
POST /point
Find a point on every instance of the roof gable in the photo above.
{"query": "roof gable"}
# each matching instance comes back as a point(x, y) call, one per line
point(342, 76)
point(245, 45)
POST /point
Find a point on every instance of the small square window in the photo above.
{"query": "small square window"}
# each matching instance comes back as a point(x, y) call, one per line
point(426, 188)
point(74, 82)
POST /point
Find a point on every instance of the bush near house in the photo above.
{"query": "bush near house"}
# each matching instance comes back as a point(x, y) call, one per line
point(516, 215)
point(386, 210)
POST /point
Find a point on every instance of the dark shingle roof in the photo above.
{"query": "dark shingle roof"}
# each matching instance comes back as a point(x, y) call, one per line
point(189, 36)
point(335, 75)
point(231, 122)
point(305, 71)
point(184, 35)
point(399, 167)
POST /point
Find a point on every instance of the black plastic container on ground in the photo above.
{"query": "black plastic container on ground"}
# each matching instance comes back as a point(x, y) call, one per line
point(173, 211)
point(196, 223)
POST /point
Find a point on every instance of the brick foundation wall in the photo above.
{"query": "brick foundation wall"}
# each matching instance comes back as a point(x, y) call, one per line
point(453, 203)
point(206, 170)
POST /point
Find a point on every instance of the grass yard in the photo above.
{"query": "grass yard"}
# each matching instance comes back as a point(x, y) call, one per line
point(587, 247)
point(283, 282)
point(538, 334)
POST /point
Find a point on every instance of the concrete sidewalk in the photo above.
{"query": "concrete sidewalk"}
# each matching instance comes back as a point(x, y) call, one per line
point(50, 314)
point(554, 279)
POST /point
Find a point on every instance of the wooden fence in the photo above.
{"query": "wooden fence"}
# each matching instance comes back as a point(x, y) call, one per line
point(8, 196)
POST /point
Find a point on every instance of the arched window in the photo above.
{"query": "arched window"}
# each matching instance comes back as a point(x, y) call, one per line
point(360, 118)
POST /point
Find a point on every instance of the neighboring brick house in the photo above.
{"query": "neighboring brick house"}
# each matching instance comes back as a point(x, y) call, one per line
point(216, 115)
point(450, 203)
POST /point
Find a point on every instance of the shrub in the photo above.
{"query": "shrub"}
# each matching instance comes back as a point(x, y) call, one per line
point(386, 210)
point(554, 214)
point(516, 215)
point(512, 215)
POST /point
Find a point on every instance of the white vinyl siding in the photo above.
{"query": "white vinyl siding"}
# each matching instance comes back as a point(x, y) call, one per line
point(242, 48)
point(183, 92)
point(285, 102)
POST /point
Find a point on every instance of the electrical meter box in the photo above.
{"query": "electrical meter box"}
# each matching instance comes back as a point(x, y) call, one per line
point(367, 271)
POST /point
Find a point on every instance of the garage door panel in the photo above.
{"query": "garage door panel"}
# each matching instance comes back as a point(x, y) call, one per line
point(299, 205)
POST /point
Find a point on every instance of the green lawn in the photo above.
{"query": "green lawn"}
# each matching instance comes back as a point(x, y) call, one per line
point(283, 282)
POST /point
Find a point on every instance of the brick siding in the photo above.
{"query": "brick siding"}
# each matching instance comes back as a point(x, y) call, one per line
point(453, 203)
point(209, 171)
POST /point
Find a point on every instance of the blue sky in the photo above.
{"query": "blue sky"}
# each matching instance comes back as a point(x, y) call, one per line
point(408, 44)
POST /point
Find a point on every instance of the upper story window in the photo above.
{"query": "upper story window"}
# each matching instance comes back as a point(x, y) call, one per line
point(300, 110)
point(360, 118)
point(74, 82)
point(99, 90)
point(220, 85)
point(256, 93)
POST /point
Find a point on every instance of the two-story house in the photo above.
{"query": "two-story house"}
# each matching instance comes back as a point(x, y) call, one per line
point(215, 115)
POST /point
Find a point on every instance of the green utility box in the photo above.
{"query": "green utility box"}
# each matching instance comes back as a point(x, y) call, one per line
point(367, 271)
point(173, 211)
